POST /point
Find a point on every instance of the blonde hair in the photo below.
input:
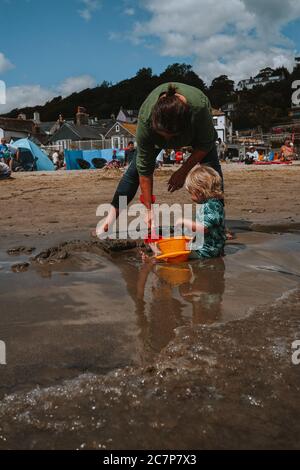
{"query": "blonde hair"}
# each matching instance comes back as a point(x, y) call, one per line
point(204, 183)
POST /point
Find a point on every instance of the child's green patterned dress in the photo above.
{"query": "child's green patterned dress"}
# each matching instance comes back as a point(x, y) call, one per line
point(212, 215)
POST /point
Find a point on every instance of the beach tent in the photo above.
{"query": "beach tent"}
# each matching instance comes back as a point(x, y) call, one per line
point(90, 159)
point(32, 156)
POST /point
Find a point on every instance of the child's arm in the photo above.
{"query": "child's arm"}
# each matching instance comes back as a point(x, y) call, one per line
point(191, 225)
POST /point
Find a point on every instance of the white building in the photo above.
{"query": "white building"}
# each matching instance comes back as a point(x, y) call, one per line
point(223, 125)
point(265, 77)
point(14, 129)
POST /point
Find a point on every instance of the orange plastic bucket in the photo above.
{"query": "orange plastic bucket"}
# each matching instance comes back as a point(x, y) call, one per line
point(173, 245)
point(175, 276)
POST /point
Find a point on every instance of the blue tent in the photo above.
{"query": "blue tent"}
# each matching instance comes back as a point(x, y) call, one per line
point(30, 151)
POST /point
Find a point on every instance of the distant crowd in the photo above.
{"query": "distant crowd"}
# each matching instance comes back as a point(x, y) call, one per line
point(287, 153)
point(177, 157)
point(12, 161)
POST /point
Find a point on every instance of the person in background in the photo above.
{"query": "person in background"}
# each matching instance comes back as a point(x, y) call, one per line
point(271, 155)
point(221, 149)
point(161, 158)
point(114, 163)
point(62, 159)
point(186, 154)
point(8, 154)
point(179, 157)
point(287, 151)
point(130, 153)
point(173, 157)
point(4, 171)
point(251, 156)
point(241, 156)
point(56, 159)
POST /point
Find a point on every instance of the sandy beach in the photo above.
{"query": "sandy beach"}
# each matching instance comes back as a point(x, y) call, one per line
point(45, 203)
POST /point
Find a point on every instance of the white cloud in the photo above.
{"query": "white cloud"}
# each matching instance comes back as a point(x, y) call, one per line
point(34, 95)
point(5, 64)
point(88, 8)
point(73, 84)
point(26, 95)
point(234, 37)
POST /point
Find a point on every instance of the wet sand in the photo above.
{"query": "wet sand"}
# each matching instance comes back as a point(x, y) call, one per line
point(190, 356)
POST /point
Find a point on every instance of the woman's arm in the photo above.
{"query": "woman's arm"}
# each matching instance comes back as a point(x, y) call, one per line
point(146, 184)
point(178, 179)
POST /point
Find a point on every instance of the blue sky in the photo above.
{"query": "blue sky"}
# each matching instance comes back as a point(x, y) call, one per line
point(49, 48)
point(50, 41)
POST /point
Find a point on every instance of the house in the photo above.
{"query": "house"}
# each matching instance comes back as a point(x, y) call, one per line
point(64, 132)
point(14, 129)
point(222, 124)
point(70, 132)
point(264, 77)
point(102, 125)
point(130, 116)
point(52, 127)
point(97, 133)
point(121, 134)
point(229, 109)
point(91, 133)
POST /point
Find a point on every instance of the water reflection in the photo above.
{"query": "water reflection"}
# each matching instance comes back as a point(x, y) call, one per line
point(169, 296)
point(205, 292)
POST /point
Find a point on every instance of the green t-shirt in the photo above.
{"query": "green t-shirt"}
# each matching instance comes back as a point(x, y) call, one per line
point(200, 135)
point(212, 215)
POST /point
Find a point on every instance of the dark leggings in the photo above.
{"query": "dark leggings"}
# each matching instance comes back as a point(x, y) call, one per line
point(130, 182)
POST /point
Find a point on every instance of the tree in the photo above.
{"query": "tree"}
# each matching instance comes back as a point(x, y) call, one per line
point(145, 73)
point(182, 73)
point(222, 83)
point(105, 84)
point(282, 71)
point(221, 91)
point(262, 106)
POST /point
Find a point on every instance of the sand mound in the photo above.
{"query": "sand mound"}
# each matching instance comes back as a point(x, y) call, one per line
point(65, 250)
point(111, 173)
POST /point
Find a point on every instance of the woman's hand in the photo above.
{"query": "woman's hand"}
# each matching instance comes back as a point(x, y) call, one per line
point(177, 180)
point(150, 220)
